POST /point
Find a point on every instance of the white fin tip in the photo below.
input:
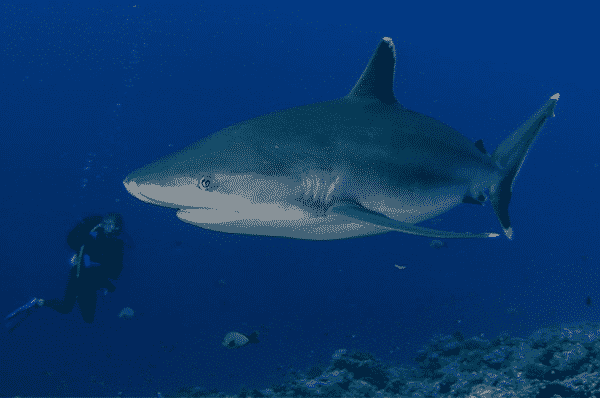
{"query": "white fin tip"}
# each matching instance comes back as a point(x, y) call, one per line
point(390, 44)
point(555, 96)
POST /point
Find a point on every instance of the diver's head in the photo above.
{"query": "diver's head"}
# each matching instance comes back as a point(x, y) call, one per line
point(112, 223)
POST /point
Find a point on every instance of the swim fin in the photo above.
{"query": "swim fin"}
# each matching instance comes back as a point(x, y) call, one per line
point(15, 318)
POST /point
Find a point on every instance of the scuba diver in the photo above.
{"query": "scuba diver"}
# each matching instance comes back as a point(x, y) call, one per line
point(98, 258)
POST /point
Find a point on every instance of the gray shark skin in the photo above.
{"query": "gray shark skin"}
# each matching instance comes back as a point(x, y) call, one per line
point(355, 166)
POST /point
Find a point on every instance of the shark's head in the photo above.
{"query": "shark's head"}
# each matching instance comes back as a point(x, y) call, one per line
point(167, 183)
point(212, 186)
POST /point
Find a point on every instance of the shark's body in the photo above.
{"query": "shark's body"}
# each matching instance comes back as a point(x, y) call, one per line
point(356, 166)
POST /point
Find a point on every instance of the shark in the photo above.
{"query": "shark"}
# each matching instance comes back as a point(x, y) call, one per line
point(355, 166)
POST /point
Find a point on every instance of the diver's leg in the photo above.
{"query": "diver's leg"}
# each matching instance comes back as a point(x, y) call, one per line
point(87, 304)
point(66, 305)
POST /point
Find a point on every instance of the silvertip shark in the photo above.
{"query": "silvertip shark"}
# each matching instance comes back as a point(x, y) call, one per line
point(356, 166)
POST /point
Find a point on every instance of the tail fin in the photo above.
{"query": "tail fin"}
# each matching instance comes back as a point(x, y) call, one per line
point(509, 157)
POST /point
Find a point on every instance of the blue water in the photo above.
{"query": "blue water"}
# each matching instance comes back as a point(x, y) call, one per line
point(91, 92)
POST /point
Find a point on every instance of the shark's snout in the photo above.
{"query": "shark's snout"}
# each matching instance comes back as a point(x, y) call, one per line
point(164, 189)
point(132, 187)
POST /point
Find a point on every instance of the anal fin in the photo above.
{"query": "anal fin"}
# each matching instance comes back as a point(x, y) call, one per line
point(479, 145)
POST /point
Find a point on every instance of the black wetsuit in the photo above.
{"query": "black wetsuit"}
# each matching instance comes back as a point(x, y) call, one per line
point(104, 250)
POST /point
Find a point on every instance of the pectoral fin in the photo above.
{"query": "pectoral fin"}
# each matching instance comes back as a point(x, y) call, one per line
point(362, 214)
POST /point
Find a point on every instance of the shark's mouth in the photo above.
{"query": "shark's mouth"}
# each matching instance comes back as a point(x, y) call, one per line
point(206, 215)
point(147, 199)
point(191, 209)
point(156, 202)
point(261, 213)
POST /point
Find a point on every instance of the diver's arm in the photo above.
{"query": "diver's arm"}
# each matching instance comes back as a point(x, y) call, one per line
point(81, 233)
point(93, 231)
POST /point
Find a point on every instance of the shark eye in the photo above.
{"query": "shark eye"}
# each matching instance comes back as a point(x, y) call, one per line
point(204, 183)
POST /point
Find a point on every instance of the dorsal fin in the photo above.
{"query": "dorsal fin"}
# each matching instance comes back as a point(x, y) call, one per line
point(377, 81)
point(479, 145)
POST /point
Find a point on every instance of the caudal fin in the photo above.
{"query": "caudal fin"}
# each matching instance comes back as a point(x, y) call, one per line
point(509, 157)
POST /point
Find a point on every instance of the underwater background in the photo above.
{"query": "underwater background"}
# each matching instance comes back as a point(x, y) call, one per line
point(91, 91)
